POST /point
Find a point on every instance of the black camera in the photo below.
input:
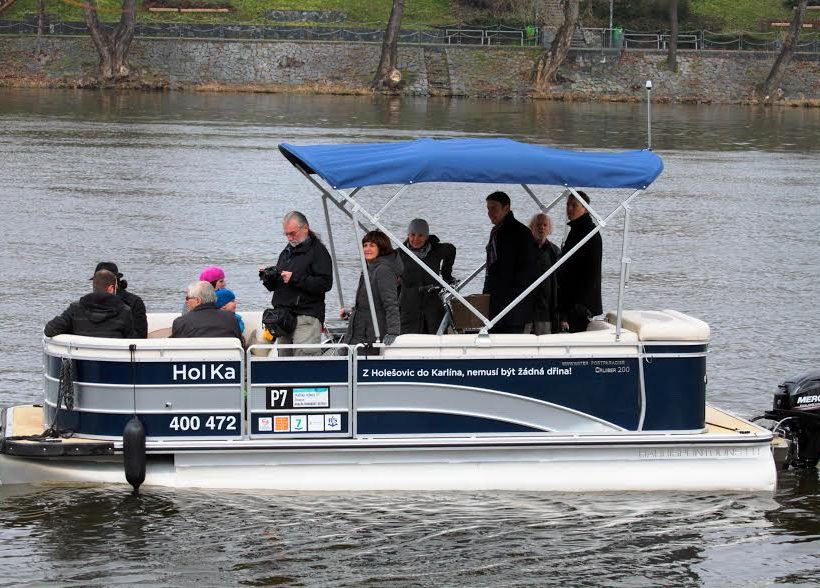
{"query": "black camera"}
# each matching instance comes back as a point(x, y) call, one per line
point(269, 274)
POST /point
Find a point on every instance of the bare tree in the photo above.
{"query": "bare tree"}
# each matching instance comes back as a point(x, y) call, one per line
point(112, 46)
point(672, 56)
point(41, 27)
point(775, 77)
point(387, 76)
point(550, 60)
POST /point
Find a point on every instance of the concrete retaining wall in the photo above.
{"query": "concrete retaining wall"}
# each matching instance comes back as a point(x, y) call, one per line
point(348, 67)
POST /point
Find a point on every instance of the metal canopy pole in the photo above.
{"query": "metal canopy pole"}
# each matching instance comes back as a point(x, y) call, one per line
point(389, 202)
point(358, 208)
point(469, 278)
point(366, 277)
point(559, 263)
point(625, 261)
point(535, 198)
point(589, 208)
point(548, 207)
point(333, 252)
point(339, 205)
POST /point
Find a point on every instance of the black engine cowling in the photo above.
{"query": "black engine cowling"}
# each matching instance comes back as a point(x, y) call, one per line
point(796, 413)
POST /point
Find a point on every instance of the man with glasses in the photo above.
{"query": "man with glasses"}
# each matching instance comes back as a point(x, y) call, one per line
point(299, 281)
point(203, 318)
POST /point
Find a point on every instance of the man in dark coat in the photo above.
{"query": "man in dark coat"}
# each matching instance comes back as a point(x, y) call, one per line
point(545, 297)
point(299, 281)
point(133, 301)
point(511, 265)
point(203, 318)
point(421, 309)
point(99, 314)
point(579, 278)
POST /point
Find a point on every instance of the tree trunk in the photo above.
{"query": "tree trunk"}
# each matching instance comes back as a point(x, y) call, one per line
point(112, 47)
point(672, 57)
point(775, 77)
point(550, 60)
point(41, 27)
point(385, 79)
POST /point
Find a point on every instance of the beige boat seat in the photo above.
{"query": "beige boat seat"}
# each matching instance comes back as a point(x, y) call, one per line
point(159, 325)
point(663, 325)
point(599, 340)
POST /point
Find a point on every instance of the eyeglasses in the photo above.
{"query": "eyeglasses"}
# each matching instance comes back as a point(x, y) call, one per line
point(192, 298)
point(294, 233)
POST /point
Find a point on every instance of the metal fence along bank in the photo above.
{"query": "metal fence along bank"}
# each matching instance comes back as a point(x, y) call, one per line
point(591, 38)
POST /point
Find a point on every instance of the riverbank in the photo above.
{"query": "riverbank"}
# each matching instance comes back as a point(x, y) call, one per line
point(713, 77)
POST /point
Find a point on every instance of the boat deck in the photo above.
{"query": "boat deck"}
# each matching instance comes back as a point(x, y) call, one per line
point(26, 425)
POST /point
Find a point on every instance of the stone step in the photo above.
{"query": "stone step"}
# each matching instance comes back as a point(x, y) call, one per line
point(438, 71)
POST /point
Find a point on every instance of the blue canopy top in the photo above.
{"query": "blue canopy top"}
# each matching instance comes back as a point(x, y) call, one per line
point(486, 161)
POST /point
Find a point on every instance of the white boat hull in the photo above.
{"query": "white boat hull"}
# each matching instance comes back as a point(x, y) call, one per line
point(561, 466)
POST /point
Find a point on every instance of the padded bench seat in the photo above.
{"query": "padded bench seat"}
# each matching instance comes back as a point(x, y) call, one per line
point(663, 325)
point(598, 341)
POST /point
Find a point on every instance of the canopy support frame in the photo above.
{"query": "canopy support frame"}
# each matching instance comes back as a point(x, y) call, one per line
point(400, 244)
point(453, 292)
point(625, 261)
point(623, 205)
point(332, 244)
point(366, 276)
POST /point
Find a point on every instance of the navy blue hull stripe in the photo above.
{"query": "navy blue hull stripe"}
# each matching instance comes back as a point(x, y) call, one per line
point(674, 349)
point(215, 424)
point(149, 372)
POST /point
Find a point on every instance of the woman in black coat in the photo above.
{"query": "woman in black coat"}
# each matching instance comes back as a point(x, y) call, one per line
point(421, 309)
point(384, 269)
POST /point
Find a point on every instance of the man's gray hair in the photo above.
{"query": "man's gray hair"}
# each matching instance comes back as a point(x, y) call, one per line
point(202, 290)
point(297, 216)
point(538, 216)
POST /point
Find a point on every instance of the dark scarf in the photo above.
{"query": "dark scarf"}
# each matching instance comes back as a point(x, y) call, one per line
point(422, 251)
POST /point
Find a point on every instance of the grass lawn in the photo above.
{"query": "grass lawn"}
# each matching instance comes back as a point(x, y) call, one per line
point(373, 13)
point(728, 15)
point(741, 15)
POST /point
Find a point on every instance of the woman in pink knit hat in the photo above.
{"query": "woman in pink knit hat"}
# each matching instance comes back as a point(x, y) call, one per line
point(215, 275)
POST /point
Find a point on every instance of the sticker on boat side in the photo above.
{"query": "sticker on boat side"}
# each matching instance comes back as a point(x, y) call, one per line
point(298, 423)
point(289, 398)
point(316, 422)
point(333, 422)
point(281, 424)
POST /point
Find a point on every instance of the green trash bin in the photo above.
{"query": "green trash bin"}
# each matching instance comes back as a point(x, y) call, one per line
point(531, 31)
point(617, 37)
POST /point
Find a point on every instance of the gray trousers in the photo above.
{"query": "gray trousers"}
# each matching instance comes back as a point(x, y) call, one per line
point(308, 330)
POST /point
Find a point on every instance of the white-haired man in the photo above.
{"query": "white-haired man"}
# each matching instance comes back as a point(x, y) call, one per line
point(203, 318)
point(299, 281)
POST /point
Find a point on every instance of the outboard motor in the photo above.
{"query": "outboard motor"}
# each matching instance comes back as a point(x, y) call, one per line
point(796, 413)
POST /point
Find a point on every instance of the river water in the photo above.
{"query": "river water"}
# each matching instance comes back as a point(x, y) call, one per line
point(167, 183)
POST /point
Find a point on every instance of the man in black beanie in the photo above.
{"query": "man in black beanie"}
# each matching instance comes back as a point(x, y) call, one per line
point(99, 314)
point(133, 301)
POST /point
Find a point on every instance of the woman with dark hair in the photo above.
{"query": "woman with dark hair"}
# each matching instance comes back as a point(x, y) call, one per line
point(384, 268)
point(214, 275)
